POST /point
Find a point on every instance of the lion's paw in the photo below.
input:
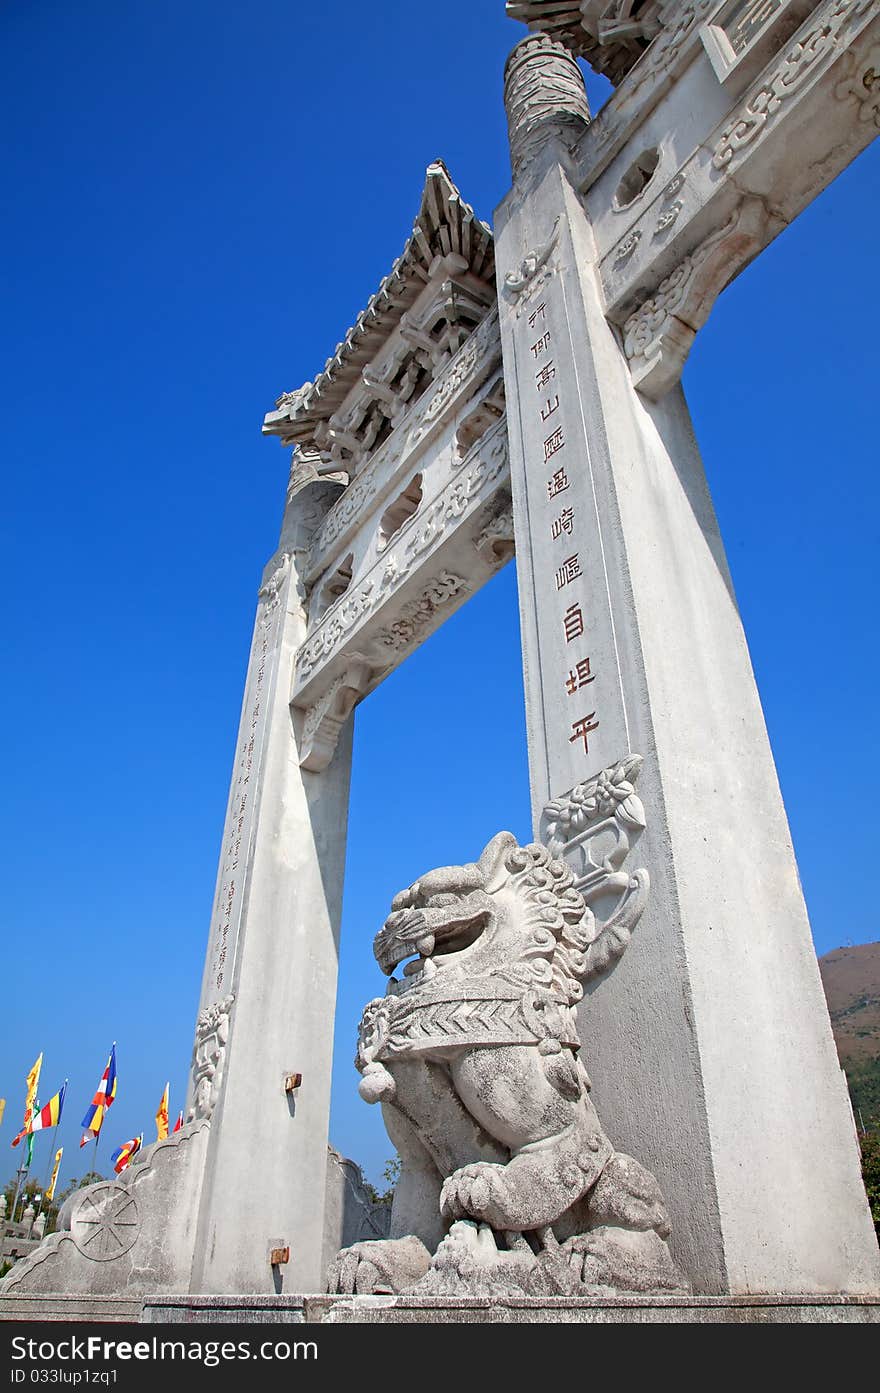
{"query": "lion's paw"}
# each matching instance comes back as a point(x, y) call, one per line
point(387, 1265)
point(479, 1192)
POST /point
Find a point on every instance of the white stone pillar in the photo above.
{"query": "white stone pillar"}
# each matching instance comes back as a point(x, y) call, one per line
point(709, 1045)
point(269, 990)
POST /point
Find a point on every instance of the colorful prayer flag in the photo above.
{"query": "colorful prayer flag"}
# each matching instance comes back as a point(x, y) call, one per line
point(49, 1116)
point(162, 1117)
point(179, 1123)
point(106, 1092)
point(50, 1193)
point(33, 1079)
point(123, 1154)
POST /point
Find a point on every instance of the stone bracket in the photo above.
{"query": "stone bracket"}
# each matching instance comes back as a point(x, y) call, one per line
point(666, 256)
point(658, 337)
point(324, 720)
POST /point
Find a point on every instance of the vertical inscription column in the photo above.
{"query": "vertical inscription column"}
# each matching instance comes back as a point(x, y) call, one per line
point(578, 720)
point(238, 828)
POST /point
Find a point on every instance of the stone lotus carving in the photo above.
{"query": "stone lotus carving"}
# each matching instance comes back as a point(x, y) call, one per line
point(507, 1177)
point(209, 1056)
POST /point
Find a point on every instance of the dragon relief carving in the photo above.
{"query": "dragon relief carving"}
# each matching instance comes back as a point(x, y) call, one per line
point(508, 1184)
point(209, 1057)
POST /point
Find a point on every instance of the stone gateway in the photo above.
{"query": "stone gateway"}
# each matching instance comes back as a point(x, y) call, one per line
point(507, 390)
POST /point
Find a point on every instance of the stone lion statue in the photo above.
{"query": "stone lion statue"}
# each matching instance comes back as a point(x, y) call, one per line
point(508, 1183)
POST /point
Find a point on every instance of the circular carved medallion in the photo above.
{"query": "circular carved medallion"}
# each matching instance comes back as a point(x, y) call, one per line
point(106, 1223)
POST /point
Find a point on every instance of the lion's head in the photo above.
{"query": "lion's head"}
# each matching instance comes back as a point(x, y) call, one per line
point(514, 912)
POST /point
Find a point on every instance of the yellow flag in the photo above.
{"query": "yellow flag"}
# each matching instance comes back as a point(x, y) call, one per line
point(162, 1117)
point(50, 1193)
point(2, 1108)
point(33, 1080)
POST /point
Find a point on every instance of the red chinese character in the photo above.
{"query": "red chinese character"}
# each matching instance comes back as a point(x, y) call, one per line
point(569, 570)
point(579, 676)
point(573, 622)
point(553, 444)
point(540, 345)
point(563, 523)
point(558, 484)
point(582, 728)
point(534, 316)
point(543, 375)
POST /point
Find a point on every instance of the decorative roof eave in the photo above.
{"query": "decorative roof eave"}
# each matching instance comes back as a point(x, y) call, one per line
point(610, 35)
point(445, 226)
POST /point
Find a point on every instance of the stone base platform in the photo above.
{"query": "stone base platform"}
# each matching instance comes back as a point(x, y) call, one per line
point(54, 1306)
point(410, 1310)
point(621, 1310)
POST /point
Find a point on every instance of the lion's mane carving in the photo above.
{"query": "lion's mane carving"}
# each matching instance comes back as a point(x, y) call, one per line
point(508, 1182)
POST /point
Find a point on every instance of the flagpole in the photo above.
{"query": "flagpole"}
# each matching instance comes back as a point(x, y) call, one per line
point(22, 1174)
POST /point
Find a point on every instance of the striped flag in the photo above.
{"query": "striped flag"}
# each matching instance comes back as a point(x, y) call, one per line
point(106, 1092)
point(49, 1116)
point(50, 1193)
point(123, 1155)
point(162, 1117)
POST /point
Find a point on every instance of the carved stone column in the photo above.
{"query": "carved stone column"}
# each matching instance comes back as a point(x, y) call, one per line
point(544, 96)
point(709, 1046)
point(269, 989)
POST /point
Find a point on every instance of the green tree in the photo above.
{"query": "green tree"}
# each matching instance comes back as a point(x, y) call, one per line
point(870, 1143)
point(391, 1174)
point(27, 1195)
point(90, 1178)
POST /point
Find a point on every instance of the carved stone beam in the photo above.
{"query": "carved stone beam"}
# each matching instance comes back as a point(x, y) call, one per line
point(666, 254)
point(404, 452)
point(447, 550)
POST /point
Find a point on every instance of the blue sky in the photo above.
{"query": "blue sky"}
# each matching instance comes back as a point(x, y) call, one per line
point(198, 199)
